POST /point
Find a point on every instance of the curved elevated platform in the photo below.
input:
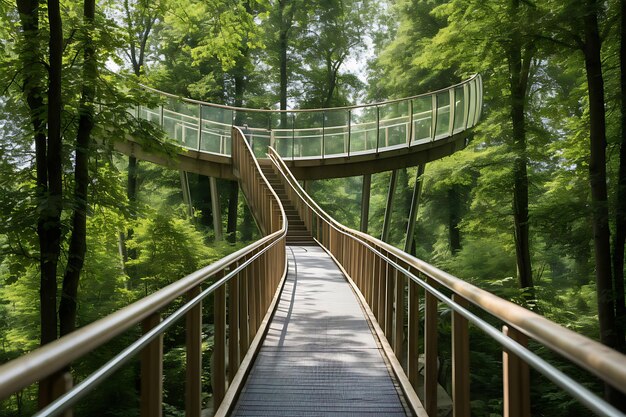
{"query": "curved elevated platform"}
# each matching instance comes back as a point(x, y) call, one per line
point(319, 143)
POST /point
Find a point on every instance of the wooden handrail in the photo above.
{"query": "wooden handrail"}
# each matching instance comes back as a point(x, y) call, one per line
point(607, 364)
point(46, 361)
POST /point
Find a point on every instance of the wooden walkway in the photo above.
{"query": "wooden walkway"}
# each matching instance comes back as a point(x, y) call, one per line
point(320, 357)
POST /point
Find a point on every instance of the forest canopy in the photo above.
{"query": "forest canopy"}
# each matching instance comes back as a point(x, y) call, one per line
point(533, 209)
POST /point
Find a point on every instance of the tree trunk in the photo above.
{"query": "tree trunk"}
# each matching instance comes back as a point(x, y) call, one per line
point(597, 178)
point(49, 225)
point(283, 44)
point(599, 199)
point(78, 242)
point(519, 81)
point(454, 218)
point(233, 205)
point(620, 210)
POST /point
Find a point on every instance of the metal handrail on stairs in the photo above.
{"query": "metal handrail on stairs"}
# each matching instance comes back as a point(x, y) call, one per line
point(385, 276)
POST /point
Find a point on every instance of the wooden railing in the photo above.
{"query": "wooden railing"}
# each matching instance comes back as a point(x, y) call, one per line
point(244, 286)
point(386, 276)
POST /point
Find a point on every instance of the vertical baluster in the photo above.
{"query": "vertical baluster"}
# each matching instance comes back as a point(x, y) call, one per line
point(460, 361)
point(382, 281)
point(193, 370)
point(218, 373)
point(398, 346)
point(152, 371)
point(430, 354)
point(252, 290)
point(413, 336)
point(516, 378)
point(243, 313)
point(233, 326)
point(390, 281)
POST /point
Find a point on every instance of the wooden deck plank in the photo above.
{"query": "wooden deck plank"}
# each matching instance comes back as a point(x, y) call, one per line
point(319, 356)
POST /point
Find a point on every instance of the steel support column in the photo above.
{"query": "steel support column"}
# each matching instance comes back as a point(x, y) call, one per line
point(389, 207)
point(415, 199)
point(365, 201)
point(215, 208)
point(184, 185)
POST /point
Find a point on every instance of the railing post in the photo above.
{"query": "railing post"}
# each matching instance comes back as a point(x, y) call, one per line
point(161, 115)
point(53, 387)
point(193, 370)
point(252, 297)
point(516, 378)
point(349, 130)
point(389, 293)
point(233, 326)
point(200, 128)
point(430, 354)
point(377, 128)
point(218, 373)
point(413, 336)
point(460, 361)
point(398, 339)
point(323, 133)
point(152, 371)
point(380, 292)
point(433, 117)
point(409, 136)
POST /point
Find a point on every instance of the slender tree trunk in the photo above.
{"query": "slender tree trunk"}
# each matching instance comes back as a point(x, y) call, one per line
point(599, 200)
point(454, 218)
point(620, 211)
point(49, 225)
point(78, 242)
point(283, 45)
point(519, 81)
point(597, 178)
point(233, 205)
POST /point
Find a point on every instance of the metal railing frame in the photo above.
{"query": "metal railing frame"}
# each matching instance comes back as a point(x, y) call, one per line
point(250, 277)
point(329, 136)
point(378, 271)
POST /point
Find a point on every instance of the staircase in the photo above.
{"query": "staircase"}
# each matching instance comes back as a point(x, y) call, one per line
point(297, 233)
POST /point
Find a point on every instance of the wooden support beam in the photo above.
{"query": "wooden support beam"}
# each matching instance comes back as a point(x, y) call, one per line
point(389, 207)
point(415, 199)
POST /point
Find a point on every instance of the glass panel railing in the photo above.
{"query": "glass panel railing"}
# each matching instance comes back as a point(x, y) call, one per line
point(308, 134)
point(283, 136)
point(336, 127)
point(393, 124)
point(459, 109)
point(216, 130)
point(472, 104)
point(321, 133)
point(422, 119)
point(443, 114)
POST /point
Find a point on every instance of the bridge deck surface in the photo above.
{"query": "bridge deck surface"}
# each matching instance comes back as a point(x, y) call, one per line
point(319, 357)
